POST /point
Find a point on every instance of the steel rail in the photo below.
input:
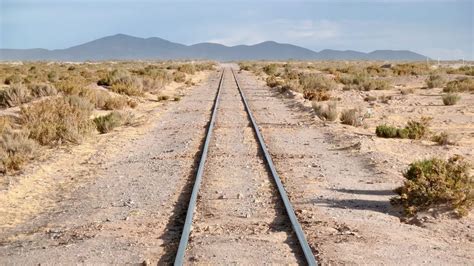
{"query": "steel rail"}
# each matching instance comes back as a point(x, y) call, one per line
point(289, 208)
point(183, 243)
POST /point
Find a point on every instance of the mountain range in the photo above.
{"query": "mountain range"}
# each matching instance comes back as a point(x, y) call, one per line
point(125, 47)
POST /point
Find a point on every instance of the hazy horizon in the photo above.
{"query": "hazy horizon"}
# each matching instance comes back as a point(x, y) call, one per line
point(438, 29)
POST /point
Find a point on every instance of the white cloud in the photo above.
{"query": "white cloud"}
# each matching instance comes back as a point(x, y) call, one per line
point(281, 30)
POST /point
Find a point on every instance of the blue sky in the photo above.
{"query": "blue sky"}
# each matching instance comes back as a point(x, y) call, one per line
point(439, 29)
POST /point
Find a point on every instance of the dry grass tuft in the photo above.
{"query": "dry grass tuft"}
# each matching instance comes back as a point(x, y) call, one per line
point(58, 121)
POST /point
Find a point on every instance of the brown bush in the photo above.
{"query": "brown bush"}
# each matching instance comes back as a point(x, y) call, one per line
point(42, 89)
point(15, 150)
point(353, 117)
point(326, 112)
point(14, 95)
point(58, 120)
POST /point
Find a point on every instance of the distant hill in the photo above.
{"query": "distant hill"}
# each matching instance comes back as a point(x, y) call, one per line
point(125, 47)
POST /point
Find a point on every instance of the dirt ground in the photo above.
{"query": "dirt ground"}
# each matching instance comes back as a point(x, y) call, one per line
point(121, 198)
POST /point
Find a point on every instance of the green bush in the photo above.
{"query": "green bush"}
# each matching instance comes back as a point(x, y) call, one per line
point(437, 183)
point(385, 131)
point(451, 99)
point(107, 123)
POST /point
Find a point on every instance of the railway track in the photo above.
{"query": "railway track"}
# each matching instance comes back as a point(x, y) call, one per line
point(288, 210)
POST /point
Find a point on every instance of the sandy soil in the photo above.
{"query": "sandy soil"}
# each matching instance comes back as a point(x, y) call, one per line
point(342, 197)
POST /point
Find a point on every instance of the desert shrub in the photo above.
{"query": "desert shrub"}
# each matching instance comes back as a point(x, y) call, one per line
point(353, 79)
point(418, 129)
point(443, 139)
point(13, 79)
point(127, 89)
point(410, 69)
point(15, 149)
point(115, 103)
point(177, 98)
point(14, 95)
point(316, 87)
point(413, 130)
point(270, 69)
point(435, 81)
point(450, 98)
point(385, 98)
point(327, 111)
point(187, 68)
point(375, 84)
point(121, 81)
point(53, 76)
point(163, 98)
point(437, 183)
point(97, 97)
point(42, 89)
point(460, 85)
point(247, 66)
point(407, 91)
point(107, 123)
point(179, 76)
point(353, 117)
point(58, 120)
point(370, 98)
point(273, 82)
point(205, 66)
point(385, 131)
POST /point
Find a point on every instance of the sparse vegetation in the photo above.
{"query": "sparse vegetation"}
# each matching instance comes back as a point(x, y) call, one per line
point(15, 149)
point(58, 121)
point(316, 87)
point(451, 99)
point(326, 112)
point(460, 85)
point(121, 81)
point(435, 183)
point(270, 69)
point(443, 139)
point(14, 95)
point(107, 123)
point(435, 81)
point(413, 130)
point(353, 117)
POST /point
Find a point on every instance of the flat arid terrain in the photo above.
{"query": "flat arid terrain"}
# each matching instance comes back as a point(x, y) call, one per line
point(250, 162)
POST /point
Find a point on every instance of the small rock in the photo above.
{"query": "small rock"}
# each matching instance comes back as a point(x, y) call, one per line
point(240, 196)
